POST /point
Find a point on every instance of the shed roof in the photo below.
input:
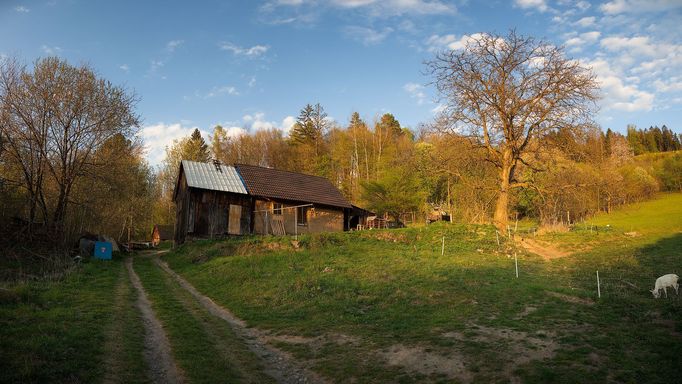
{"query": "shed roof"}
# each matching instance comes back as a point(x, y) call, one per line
point(213, 176)
point(286, 185)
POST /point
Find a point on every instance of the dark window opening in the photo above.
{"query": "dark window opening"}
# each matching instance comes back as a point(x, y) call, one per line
point(302, 215)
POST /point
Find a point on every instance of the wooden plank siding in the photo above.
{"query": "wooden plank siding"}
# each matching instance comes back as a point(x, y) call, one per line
point(204, 213)
point(317, 218)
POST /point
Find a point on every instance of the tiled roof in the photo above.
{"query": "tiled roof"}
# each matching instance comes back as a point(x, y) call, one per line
point(214, 177)
point(285, 185)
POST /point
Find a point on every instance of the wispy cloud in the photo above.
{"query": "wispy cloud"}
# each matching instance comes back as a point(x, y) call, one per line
point(22, 9)
point(172, 45)
point(575, 42)
point(124, 67)
point(306, 11)
point(586, 21)
point(632, 6)
point(416, 91)
point(538, 5)
point(50, 50)
point(254, 51)
point(220, 91)
point(367, 36)
point(440, 42)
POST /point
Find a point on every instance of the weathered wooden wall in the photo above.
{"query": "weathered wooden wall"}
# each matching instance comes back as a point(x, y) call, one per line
point(203, 213)
point(319, 219)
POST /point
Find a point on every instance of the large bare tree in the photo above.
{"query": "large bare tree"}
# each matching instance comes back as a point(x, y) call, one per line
point(507, 93)
point(53, 117)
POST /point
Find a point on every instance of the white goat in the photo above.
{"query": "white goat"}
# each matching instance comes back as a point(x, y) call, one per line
point(669, 280)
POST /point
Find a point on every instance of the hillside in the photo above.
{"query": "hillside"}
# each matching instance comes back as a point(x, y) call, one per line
point(369, 306)
point(392, 307)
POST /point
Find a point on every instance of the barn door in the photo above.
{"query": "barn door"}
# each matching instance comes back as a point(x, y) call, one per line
point(234, 225)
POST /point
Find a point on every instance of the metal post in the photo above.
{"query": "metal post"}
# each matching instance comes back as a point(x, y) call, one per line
point(598, 286)
point(516, 263)
point(442, 248)
point(296, 224)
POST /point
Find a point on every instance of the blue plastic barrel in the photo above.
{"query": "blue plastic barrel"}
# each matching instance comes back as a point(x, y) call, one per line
point(103, 250)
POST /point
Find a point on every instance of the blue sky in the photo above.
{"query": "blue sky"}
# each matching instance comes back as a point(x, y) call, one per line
point(250, 65)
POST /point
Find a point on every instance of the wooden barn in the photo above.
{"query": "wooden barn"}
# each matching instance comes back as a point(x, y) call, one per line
point(215, 199)
point(210, 200)
point(293, 203)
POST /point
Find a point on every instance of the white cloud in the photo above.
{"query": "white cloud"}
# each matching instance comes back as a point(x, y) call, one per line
point(539, 5)
point(583, 5)
point(576, 42)
point(50, 50)
point(220, 91)
point(255, 51)
point(257, 121)
point(375, 8)
point(438, 42)
point(367, 36)
point(124, 67)
point(672, 85)
point(438, 109)
point(252, 82)
point(586, 21)
point(158, 136)
point(172, 45)
point(155, 65)
point(638, 6)
point(397, 7)
point(288, 123)
point(415, 91)
point(617, 94)
point(22, 9)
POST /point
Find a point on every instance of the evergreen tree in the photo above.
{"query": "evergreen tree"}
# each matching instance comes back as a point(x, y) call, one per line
point(196, 148)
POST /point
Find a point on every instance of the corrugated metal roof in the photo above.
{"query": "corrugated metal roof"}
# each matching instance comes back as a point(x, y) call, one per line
point(278, 184)
point(214, 177)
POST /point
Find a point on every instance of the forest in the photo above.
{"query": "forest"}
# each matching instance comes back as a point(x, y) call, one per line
point(71, 160)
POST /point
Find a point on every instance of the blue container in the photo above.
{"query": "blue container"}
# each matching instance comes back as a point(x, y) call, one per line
point(103, 250)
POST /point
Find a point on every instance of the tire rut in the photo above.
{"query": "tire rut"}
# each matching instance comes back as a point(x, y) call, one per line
point(227, 344)
point(278, 365)
point(157, 351)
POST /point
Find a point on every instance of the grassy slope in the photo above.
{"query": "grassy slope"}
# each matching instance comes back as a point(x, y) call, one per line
point(394, 287)
point(58, 331)
point(205, 348)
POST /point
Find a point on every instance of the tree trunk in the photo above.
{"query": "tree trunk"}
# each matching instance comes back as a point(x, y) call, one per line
point(500, 218)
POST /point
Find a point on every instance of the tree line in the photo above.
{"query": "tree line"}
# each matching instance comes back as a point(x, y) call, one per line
point(515, 139)
point(653, 139)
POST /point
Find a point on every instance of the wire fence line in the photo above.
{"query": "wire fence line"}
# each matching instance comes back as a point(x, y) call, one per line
point(604, 281)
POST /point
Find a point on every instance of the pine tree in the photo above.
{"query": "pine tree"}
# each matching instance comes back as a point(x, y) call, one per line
point(196, 149)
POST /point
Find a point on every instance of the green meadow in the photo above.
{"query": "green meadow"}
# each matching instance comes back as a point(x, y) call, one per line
point(437, 303)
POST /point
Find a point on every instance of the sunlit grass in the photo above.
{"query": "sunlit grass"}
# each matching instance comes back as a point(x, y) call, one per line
point(394, 287)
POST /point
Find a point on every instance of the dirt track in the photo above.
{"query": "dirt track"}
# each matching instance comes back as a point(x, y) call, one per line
point(157, 351)
point(279, 365)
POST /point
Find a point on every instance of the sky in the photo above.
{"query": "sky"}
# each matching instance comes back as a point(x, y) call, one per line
point(250, 65)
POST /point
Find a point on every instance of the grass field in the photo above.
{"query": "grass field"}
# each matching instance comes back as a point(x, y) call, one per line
point(386, 306)
point(373, 306)
point(79, 330)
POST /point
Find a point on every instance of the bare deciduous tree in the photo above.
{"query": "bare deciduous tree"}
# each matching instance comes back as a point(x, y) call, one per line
point(508, 92)
point(54, 118)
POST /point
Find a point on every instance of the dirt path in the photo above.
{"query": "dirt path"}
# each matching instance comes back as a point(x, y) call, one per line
point(543, 250)
point(279, 365)
point(157, 351)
